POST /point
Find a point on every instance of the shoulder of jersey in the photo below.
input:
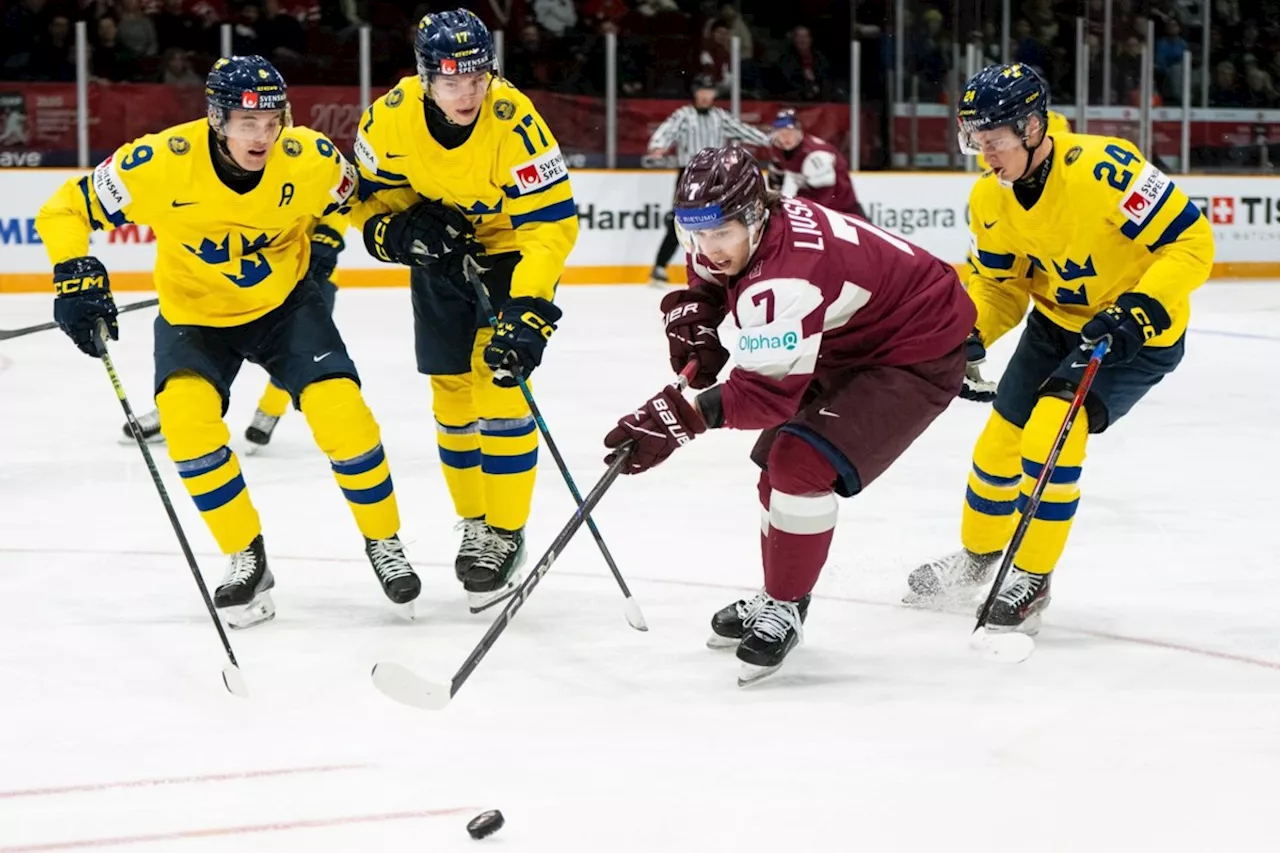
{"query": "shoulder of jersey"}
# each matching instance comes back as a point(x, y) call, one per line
point(507, 102)
point(406, 92)
point(171, 146)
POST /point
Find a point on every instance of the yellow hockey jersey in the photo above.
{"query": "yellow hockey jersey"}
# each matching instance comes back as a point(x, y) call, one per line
point(1056, 126)
point(1107, 222)
point(509, 177)
point(222, 258)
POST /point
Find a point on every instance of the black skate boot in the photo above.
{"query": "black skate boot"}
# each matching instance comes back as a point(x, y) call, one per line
point(730, 624)
point(494, 575)
point(399, 582)
point(949, 580)
point(150, 423)
point(258, 433)
point(776, 629)
point(474, 531)
point(1022, 599)
point(244, 596)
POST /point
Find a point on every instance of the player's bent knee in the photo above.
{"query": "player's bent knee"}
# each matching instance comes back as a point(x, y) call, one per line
point(341, 422)
point(1042, 431)
point(452, 402)
point(796, 467)
point(191, 416)
point(998, 446)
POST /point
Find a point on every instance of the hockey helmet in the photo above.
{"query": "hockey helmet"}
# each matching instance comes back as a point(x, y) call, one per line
point(454, 42)
point(248, 83)
point(1002, 96)
point(719, 186)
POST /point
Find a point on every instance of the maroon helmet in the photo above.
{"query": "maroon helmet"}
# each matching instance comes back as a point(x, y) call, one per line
point(720, 185)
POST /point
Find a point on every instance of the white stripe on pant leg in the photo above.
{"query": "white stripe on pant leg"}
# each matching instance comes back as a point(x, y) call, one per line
point(764, 520)
point(803, 514)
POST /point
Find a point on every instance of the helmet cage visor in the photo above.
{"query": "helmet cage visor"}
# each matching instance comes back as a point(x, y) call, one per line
point(250, 125)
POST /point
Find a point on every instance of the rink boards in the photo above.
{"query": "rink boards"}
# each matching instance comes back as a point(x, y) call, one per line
point(621, 216)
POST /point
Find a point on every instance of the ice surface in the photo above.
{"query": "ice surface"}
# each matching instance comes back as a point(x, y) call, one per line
point(1148, 719)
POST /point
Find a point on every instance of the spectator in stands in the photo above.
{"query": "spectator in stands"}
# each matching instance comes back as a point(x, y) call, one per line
point(497, 14)
point(715, 60)
point(1126, 71)
point(528, 62)
point(111, 60)
point(728, 15)
point(54, 58)
point(1027, 49)
point(245, 40)
point(281, 34)
point(805, 73)
point(1169, 47)
point(176, 69)
point(177, 28)
point(1225, 91)
point(135, 30)
point(1260, 94)
point(557, 17)
point(594, 11)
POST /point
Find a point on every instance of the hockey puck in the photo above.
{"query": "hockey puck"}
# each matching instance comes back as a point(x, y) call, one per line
point(485, 824)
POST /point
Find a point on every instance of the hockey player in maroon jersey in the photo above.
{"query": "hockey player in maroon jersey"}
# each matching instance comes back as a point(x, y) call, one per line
point(814, 167)
point(851, 342)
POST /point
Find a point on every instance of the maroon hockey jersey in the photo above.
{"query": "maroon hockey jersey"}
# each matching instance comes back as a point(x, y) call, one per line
point(819, 172)
point(827, 293)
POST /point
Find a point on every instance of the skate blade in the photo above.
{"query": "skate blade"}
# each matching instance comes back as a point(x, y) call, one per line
point(715, 641)
point(405, 611)
point(252, 449)
point(1003, 646)
point(261, 609)
point(479, 602)
point(750, 673)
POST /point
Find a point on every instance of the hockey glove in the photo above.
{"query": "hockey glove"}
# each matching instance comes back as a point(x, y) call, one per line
point(326, 244)
point(419, 236)
point(975, 387)
point(657, 428)
point(524, 326)
point(692, 332)
point(84, 298)
point(1134, 319)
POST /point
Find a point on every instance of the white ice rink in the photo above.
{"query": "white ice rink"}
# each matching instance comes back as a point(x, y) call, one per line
point(1148, 719)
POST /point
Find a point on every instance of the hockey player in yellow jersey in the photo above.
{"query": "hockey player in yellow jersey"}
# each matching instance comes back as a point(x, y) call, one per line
point(456, 161)
point(327, 242)
point(1101, 244)
point(232, 200)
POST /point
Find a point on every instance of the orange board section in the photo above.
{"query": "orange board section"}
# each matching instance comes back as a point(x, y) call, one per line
point(399, 277)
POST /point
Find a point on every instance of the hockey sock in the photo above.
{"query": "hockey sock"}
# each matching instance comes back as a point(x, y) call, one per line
point(802, 517)
point(346, 432)
point(1047, 535)
point(508, 453)
point(988, 519)
point(191, 419)
point(458, 439)
point(274, 401)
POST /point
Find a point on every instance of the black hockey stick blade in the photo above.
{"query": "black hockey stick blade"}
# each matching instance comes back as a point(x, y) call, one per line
point(6, 334)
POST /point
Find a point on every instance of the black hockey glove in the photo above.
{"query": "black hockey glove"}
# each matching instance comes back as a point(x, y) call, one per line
point(1134, 319)
point(976, 388)
point(84, 298)
point(419, 236)
point(326, 245)
point(524, 326)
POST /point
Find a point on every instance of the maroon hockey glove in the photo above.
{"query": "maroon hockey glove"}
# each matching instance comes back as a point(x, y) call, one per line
point(692, 323)
point(658, 427)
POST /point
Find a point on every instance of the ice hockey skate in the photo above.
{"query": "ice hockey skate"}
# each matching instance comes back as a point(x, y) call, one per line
point(474, 531)
point(150, 423)
point(258, 433)
point(1021, 601)
point(731, 623)
point(399, 582)
point(776, 629)
point(495, 574)
point(244, 597)
point(953, 579)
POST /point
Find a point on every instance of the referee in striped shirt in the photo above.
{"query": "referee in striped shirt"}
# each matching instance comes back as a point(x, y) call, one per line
point(690, 129)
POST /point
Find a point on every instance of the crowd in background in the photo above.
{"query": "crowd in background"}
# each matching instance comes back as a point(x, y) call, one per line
point(795, 51)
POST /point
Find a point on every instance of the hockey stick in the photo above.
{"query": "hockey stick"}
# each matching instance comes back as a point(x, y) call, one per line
point(407, 687)
point(6, 334)
point(471, 270)
point(231, 676)
point(1014, 647)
